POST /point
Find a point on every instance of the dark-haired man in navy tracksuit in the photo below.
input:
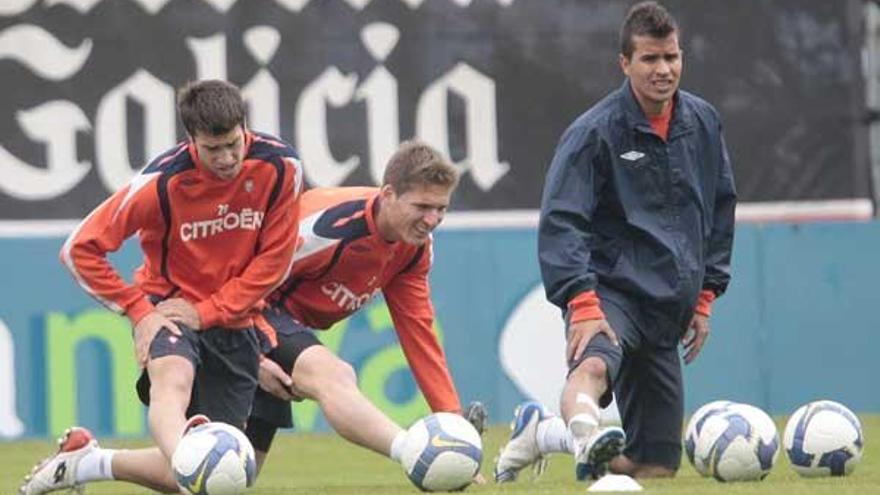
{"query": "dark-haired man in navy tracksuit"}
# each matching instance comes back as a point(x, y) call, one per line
point(634, 244)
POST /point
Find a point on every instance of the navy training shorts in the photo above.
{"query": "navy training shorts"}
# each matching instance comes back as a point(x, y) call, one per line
point(226, 363)
point(269, 412)
point(647, 382)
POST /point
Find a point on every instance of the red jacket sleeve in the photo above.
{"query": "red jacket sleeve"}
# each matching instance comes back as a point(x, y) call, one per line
point(270, 265)
point(409, 300)
point(104, 230)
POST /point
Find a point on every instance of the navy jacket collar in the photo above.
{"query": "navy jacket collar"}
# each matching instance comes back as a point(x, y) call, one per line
point(682, 115)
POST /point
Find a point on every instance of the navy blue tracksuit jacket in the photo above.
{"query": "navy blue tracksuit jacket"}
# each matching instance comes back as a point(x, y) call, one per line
point(646, 223)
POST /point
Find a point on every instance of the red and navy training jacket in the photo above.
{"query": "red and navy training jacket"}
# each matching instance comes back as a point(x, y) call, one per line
point(221, 245)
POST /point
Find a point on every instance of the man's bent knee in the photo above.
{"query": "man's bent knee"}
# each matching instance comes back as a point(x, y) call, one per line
point(317, 368)
point(592, 369)
point(624, 465)
point(653, 471)
point(170, 375)
point(345, 373)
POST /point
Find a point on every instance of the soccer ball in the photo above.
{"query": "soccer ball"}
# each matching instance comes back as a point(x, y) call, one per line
point(695, 426)
point(823, 438)
point(737, 444)
point(442, 452)
point(214, 459)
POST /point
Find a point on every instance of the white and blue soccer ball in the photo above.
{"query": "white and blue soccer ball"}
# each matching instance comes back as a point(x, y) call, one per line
point(737, 444)
point(695, 427)
point(442, 452)
point(823, 438)
point(214, 459)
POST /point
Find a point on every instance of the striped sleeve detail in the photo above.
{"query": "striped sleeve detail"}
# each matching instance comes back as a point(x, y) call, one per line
point(67, 259)
point(311, 242)
point(296, 165)
point(84, 252)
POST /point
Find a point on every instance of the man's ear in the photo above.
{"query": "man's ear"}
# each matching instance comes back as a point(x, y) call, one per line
point(387, 191)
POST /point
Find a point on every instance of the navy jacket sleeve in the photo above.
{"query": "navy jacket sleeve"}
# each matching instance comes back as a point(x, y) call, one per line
point(567, 206)
point(721, 239)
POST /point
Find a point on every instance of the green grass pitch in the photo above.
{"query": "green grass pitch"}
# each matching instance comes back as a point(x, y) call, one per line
point(324, 464)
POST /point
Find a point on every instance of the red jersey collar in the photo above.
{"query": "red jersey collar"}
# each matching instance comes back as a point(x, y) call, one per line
point(370, 214)
point(373, 203)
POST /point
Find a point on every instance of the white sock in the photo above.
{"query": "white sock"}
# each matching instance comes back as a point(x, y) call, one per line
point(397, 446)
point(553, 436)
point(97, 465)
point(583, 425)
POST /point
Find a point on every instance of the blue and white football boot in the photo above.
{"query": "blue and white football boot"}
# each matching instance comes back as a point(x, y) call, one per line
point(592, 461)
point(522, 449)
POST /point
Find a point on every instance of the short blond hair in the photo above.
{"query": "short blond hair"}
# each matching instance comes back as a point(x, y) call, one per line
point(416, 164)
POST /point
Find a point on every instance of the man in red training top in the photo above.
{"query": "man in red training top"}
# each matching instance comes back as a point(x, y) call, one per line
point(357, 242)
point(217, 218)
